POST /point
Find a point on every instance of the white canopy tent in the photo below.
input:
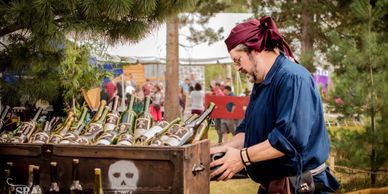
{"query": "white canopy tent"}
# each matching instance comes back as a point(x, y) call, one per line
point(152, 49)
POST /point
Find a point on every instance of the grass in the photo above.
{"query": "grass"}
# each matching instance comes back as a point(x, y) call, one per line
point(233, 186)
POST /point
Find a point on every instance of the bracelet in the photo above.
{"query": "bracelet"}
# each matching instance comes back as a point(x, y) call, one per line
point(245, 157)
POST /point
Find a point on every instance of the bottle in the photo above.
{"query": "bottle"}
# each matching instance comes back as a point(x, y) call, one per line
point(127, 124)
point(113, 116)
point(3, 115)
point(30, 175)
point(70, 138)
point(6, 187)
point(144, 122)
point(99, 111)
point(54, 187)
point(25, 129)
point(9, 166)
point(42, 137)
point(95, 129)
point(156, 130)
point(97, 186)
point(161, 138)
point(80, 121)
point(57, 137)
point(201, 131)
point(36, 188)
point(75, 187)
point(110, 128)
point(184, 134)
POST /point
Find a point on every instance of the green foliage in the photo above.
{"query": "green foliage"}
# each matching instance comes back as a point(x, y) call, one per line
point(75, 74)
point(32, 32)
point(359, 54)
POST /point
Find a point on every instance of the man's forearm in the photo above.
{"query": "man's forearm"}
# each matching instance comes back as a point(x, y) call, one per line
point(263, 151)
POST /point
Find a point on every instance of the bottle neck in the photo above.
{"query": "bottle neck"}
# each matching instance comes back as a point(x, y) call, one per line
point(53, 173)
point(147, 105)
point(75, 171)
point(36, 176)
point(82, 117)
point(37, 115)
point(130, 104)
point(103, 116)
point(99, 111)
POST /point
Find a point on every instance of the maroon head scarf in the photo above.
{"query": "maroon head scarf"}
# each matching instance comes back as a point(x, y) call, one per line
point(258, 35)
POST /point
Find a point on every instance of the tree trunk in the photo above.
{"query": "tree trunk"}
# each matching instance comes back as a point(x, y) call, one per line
point(307, 36)
point(171, 104)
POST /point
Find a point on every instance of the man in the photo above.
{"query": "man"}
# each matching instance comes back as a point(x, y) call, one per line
point(283, 132)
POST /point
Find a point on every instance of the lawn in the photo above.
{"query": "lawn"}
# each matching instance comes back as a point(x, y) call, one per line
point(233, 186)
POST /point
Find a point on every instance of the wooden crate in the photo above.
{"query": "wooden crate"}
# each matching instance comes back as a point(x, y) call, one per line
point(149, 169)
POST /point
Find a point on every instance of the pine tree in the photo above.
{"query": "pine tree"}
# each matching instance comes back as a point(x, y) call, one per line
point(33, 35)
point(359, 57)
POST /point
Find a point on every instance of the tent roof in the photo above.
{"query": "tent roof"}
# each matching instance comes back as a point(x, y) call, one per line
point(152, 49)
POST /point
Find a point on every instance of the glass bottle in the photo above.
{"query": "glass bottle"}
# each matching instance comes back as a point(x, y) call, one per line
point(127, 124)
point(3, 115)
point(95, 129)
point(54, 186)
point(201, 131)
point(156, 130)
point(97, 186)
point(184, 134)
point(36, 188)
point(110, 127)
point(25, 129)
point(70, 138)
point(57, 136)
point(75, 187)
point(144, 122)
point(161, 138)
point(6, 187)
point(42, 137)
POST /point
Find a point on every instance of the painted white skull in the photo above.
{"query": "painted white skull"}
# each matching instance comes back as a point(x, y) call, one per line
point(123, 176)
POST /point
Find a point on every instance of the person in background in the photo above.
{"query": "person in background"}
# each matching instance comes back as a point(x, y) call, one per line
point(228, 125)
point(197, 97)
point(157, 98)
point(283, 133)
point(111, 88)
point(229, 82)
point(216, 90)
point(147, 87)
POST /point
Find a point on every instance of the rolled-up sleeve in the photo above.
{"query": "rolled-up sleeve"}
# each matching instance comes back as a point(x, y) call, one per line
point(294, 115)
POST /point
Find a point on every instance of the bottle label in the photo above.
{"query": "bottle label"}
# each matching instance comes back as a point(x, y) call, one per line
point(124, 127)
point(125, 139)
point(142, 125)
point(55, 139)
point(94, 129)
point(152, 132)
point(106, 138)
point(70, 137)
point(25, 128)
point(172, 141)
point(40, 138)
point(112, 118)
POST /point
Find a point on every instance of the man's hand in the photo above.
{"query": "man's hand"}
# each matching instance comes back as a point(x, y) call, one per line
point(230, 164)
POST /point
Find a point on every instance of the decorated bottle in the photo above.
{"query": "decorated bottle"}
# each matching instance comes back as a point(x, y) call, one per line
point(74, 133)
point(3, 115)
point(42, 137)
point(110, 128)
point(36, 188)
point(75, 187)
point(201, 131)
point(6, 188)
point(127, 124)
point(95, 129)
point(54, 186)
point(25, 129)
point(184, 134)
point(57, 137)
point(97, 186)
point(30, 178)
point(156, 130)
point(144, 122)
point(159, 139)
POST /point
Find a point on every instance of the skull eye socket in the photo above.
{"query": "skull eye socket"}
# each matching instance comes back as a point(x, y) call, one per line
point(129, 175)
point(116, 174)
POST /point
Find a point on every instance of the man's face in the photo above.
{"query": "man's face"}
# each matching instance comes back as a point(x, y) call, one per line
point(244, 63)
point(251, 64)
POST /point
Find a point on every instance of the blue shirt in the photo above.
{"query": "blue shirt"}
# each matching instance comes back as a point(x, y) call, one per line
point(286, 109)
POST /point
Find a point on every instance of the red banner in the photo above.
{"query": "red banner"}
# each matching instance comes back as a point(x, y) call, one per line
point(228, 107)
